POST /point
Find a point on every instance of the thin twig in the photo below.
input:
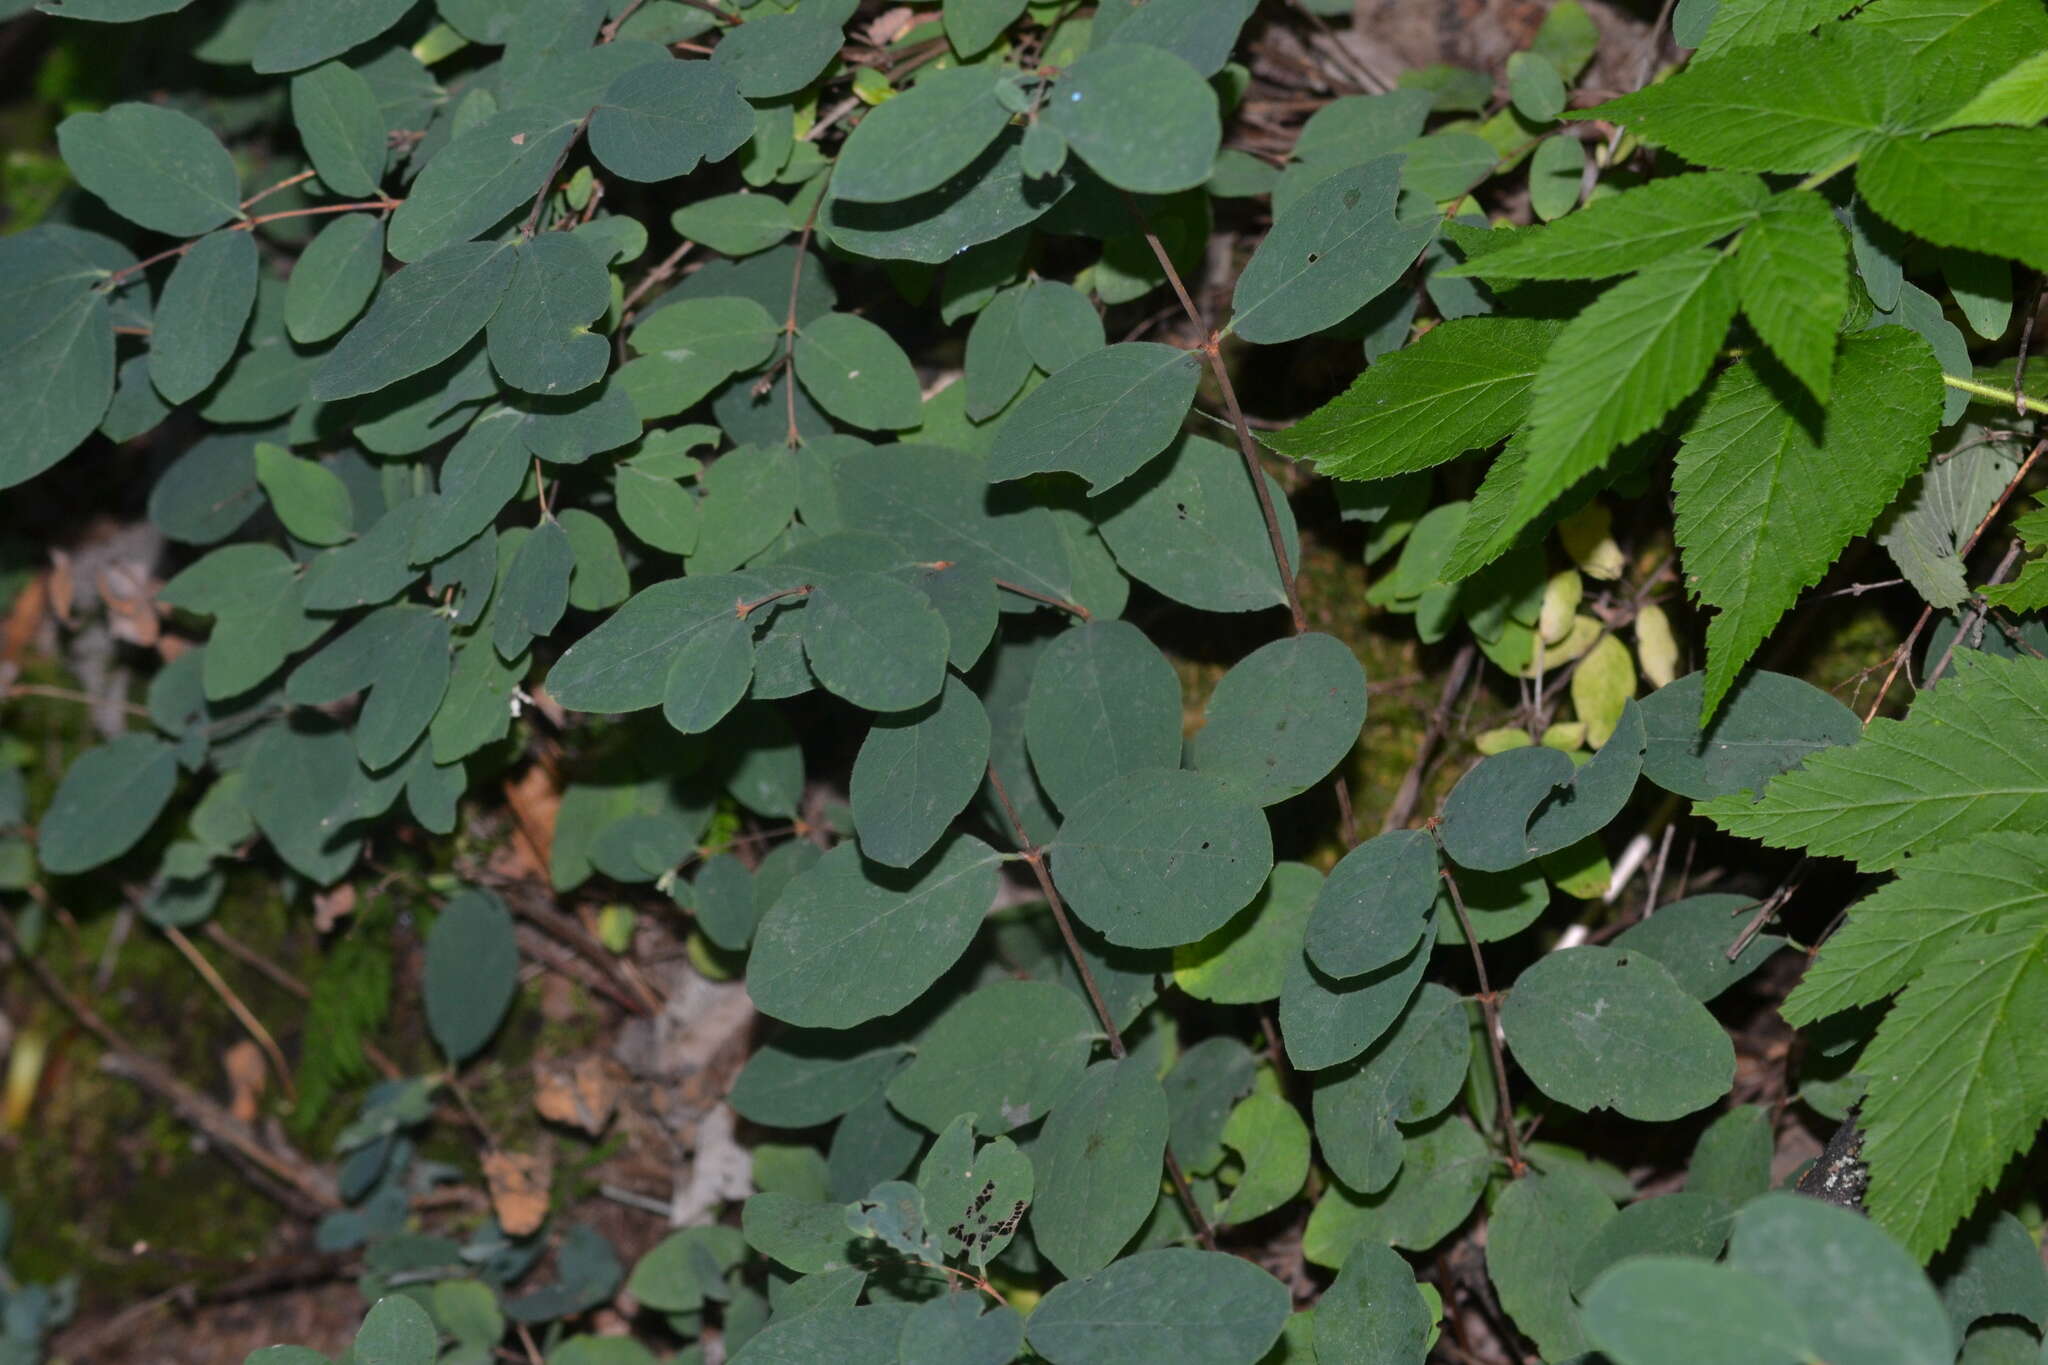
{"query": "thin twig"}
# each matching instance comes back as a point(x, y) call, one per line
point(127, 272)
point(68, 694)
point(1074, 609)
point(1035, 856)
point(1975, 616)
point(284, 184)
point(1410, 791)
point(2019, 369)
point(540, 200)
point(1489, 1008)
point(242, 1012)
point(666, 269)
point(796, 280)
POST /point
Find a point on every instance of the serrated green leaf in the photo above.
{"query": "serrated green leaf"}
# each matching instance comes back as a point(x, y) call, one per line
point(1097, 1166)
point(915, 772)
point(659, 119)
point(1630, 230)
point(1328, 254)
point(1142, 118)
point(1606, 1028)
point(1464, 385)
point(311, 501)
point(1793, 277)
point(858, 373)
point(421, 316)
point(851, 940)
point(199, 320)
point(1651, 340)
point(1919, 184)
point(335, 276)
point(1763, 507)
point(480, 177)
point(1158, 858)
point(919, 139)
point(1951, 894)
point(341, 127)
point(1008, 1053)
point(309, 31)
point(471, 973)
point(1408, 1076)
point(1104, 702)
point(1103, 417)
point(153, 166)
point(2018, 97)
point(1196, 1307)
point(1794, 105)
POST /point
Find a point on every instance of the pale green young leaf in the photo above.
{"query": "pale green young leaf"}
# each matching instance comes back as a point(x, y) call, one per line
point(1627, 231)
point(1102, 417)
point(1157, 858)
point(1764, 506)
point(311, 501)
point(540, 338)
point(153, 166)
point(1142, 118)
point(1792, 272)
point(2019, 97)
point(858, 373)
point(477, 179)
point(1328, 254)
point(341, 128)
point(1097, 1166)
point(201, 316)
point(850, 940)
point(334, 278)
point(1535, 87)
point(1624, 362)
point(915, 772)
point(1794, 105)
point(1272, 1145)
point(1968, 759)
point(1463, 386)
point(919, 139)
point(1921, 183)
point(1893, 935)
point(1245, 961)
point(308, 31)
point(1104, 702)
point(421, 316)
point(659, 119)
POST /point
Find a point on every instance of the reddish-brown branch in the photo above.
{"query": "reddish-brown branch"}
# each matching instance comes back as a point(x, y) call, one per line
point(1489, 1008)
point(1035, 856)
point(246, 225)
point(1074, 609)
point(796, 282)
point(284, 184)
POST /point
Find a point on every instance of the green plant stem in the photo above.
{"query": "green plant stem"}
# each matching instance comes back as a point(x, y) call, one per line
point(1035, 856)
point(1489, 1009)
point(2024, 403)
point(1827, 173)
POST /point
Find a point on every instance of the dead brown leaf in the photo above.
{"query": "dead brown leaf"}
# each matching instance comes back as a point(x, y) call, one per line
point(581, 1093)
point(247, 1077)
point(519, 1189)
point(130, 594)
point(331, 907)
point(890, 25)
